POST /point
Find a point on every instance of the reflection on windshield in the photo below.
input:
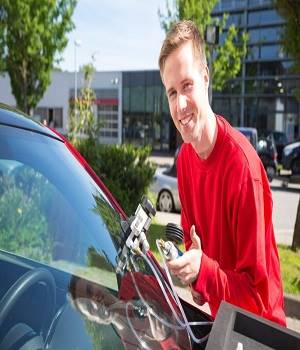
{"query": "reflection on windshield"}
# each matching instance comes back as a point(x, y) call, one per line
point(109, 216)
point(24, 195)
point(52, 211)
point(137, 324)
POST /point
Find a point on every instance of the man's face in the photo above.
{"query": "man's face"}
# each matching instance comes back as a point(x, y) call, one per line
point(186, 82)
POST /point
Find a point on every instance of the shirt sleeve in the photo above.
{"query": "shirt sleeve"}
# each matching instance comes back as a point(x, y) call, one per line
point(246, 285)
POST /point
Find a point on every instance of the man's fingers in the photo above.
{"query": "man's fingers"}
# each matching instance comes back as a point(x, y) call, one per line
point(196, 242)
point(187, 278)
point(179, 263)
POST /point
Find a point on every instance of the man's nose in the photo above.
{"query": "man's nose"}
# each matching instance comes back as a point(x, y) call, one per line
point(181, 103)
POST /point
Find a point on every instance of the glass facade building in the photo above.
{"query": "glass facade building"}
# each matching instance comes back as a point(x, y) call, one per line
point(262, 96)
point(146, 116)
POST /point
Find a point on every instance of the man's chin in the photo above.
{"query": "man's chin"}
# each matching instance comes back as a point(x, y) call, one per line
point(187, 138)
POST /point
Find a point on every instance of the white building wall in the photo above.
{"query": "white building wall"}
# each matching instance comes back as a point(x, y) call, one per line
point(59, 92)
point(57, 95)
point(6, 95)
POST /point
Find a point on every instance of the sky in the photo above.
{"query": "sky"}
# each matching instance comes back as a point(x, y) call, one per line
point(119, 34)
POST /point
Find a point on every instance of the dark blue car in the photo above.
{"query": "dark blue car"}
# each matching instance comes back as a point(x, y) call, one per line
point(291, 158)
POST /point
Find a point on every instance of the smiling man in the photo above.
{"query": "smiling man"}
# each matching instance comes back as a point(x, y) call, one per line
point(226, 200)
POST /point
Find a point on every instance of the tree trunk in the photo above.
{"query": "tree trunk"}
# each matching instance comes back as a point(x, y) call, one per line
point(296, 237)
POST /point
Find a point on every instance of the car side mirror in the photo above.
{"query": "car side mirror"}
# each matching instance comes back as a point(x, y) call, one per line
point(262, 144)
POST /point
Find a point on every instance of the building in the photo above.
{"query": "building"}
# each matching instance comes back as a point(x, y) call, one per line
point(132, 105)
point(53, 108)
point(262, 96)
point(146, 116)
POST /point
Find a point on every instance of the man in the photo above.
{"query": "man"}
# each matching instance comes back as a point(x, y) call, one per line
point(226, 201)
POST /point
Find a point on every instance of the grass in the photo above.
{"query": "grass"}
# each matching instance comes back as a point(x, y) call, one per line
point(289, 260)
point(157, 231)
point(290, 269)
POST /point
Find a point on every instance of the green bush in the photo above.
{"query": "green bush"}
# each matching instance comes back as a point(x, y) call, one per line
point(124, 169)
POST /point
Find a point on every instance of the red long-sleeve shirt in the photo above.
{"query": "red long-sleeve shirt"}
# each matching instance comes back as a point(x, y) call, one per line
point(228, 199)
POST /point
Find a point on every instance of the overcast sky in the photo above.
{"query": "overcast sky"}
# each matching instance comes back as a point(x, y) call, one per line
point(122, 35)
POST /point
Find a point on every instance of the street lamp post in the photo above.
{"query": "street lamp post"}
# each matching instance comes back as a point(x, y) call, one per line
point(93, 55)
point(115, 81)
point(211, 39)
point(77, 43)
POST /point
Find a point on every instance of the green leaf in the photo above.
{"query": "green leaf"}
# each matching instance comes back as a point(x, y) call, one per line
point(228, 57)
point(32, 34)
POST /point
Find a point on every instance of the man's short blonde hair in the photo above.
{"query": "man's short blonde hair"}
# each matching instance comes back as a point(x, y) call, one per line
point(180, 33)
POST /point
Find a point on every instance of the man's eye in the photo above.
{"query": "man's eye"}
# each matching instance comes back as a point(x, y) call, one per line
point(172, 94)
point(187, 86)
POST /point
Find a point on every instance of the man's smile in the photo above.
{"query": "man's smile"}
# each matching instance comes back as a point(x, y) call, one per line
point(184, 121)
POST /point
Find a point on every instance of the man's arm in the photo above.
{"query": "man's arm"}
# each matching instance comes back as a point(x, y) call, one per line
point(246, 285)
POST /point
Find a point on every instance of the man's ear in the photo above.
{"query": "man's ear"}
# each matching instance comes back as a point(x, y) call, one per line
point(206, 76)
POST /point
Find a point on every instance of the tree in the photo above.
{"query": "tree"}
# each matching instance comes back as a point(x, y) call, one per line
point(228, 57)
point(82, 119)
point(32, 35)
point(290, 11)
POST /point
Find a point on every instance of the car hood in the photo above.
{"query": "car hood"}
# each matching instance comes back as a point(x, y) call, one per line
point(292, 146)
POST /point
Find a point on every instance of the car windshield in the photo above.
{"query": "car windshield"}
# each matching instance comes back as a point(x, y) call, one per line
point(280, 137)
point(251, 136)
point(54, 217)
point(61, 217)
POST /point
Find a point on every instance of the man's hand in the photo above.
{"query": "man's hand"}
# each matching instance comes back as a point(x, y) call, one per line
point(187, 267)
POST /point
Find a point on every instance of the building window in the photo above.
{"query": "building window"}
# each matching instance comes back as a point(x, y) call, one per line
point(237, 19)
point(264, 35)
point(265, 17)
point(146, 116)
point(49, 116)
point(270, 52)
point(253, 53)
point(225, 5)
point(108, 119)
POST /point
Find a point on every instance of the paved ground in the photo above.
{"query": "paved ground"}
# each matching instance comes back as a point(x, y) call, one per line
point(285, 203)
point(293, 323)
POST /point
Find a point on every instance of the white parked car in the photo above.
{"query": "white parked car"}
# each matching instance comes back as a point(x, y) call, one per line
point(164, 186)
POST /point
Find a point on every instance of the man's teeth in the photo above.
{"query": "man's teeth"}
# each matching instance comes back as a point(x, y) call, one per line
point(185, 121)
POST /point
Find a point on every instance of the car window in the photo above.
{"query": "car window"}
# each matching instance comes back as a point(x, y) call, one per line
point(52, 216)
point(171, 171)
point(280, 137)
point(250, 135)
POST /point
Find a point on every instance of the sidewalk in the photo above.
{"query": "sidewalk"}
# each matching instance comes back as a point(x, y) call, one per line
point(162, 159)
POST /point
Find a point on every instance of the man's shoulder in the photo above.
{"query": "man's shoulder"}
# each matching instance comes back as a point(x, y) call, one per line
point(238, 142)
point(243, 153)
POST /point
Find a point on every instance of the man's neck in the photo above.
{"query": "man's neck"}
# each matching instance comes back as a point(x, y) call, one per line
point(208, 138)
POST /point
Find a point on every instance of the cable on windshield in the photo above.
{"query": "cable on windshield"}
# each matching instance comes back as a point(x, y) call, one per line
point(185, 324)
